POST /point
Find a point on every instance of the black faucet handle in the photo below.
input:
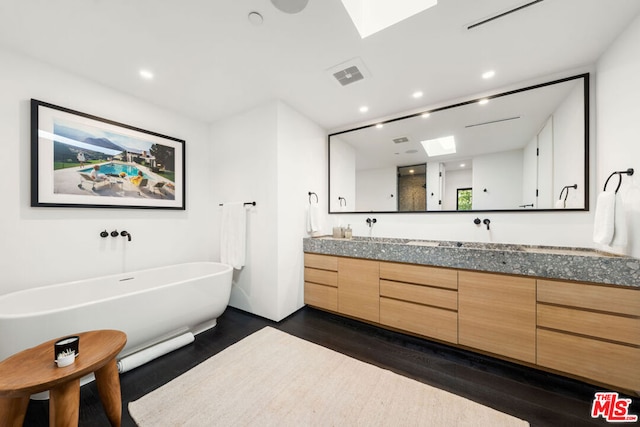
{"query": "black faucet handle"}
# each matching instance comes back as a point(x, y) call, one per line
point(104, 234)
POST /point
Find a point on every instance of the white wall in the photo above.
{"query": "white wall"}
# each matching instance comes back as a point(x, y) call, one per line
point(376, 189)
point(274, 156)
point(435, 172)
point(50, 245)
point(302, 167)
point(545, 159)
point(343, 180)
point(618, 121)
point(244, 169)
point(568, 136)
point(530, 173)
point(490, 189)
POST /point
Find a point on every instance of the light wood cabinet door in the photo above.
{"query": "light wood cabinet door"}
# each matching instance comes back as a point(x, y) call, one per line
point(606, 362)
point(359, 289)
point(497, 314)
point(321, 296)
point(420, 319)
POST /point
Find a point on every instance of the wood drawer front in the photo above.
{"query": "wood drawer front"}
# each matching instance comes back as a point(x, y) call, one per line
point(420, 319)
point(437, 297)
point(323, 277)
point(321, 296)
point(359, 288)
point(497, 314)
point(594, 297)
point(608, 363)
point(323, 262)
point(600, 325)
point(420, 274)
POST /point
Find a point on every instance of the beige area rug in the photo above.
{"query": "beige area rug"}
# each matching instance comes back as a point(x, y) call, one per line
point(271, 378)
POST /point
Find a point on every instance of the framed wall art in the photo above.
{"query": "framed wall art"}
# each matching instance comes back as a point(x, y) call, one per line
point(80, 160)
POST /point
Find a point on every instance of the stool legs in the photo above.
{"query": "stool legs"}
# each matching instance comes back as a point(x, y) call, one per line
point(108, 382)
point(13, 410)
point(64, 404)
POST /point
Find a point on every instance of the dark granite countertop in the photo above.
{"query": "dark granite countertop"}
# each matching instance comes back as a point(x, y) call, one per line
point(552, 262)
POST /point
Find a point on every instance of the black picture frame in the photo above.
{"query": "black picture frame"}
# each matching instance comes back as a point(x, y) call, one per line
point(80, 160)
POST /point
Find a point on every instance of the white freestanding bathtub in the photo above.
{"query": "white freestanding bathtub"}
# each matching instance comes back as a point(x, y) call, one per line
point(151, 306)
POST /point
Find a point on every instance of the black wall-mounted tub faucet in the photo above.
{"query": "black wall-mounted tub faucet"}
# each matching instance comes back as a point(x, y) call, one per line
point(486, 222)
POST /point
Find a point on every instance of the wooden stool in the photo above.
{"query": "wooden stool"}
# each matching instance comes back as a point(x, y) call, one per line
point(34, 370)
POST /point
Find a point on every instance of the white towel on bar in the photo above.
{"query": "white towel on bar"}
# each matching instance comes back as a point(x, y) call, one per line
point(233, 232)
point(604, 221)
point(313, 218)
point(619, 223)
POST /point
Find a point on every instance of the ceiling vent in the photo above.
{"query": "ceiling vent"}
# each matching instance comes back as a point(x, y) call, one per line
point(349, 72)
point(348, 76)
point(501, 14)
point(400, 140)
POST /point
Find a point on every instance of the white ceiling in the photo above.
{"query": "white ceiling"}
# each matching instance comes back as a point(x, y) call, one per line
point(210, 62)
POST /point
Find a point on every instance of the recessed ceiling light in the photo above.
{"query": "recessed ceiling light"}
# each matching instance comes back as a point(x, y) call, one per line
point(488, 74)
point(462, 165)
point(417, 94)
point(146, 74)
point(483, 101)
point(379, 126)
point(364, 109)
point(411, 171)
point(425, 115)
point(439, 146)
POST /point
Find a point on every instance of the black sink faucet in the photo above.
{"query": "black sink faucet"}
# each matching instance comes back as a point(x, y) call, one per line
point(486, 222)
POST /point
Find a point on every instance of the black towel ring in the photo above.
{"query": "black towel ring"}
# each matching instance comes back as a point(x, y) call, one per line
point(312, 194)
point(619, 173)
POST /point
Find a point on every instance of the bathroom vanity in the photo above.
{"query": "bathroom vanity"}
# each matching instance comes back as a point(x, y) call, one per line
point(574, 312)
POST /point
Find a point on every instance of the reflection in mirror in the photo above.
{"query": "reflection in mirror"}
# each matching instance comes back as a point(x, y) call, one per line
point(520, 150)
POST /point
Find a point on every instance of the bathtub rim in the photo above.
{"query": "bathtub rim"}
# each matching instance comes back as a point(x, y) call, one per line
point(227, 270)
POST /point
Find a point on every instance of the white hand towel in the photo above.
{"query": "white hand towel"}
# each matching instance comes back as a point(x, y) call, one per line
point(620, 229)
point(604, 221)
point(233, 231)
point(313, 218)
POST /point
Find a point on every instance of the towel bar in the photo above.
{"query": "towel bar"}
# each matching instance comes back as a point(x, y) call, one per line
point(245, 204)
point(619, 173)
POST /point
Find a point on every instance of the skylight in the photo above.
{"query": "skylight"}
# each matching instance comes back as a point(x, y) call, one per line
point(371, 16)
point(439, 146)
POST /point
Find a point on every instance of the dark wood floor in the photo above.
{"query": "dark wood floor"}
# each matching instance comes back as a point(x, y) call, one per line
point(540, 398)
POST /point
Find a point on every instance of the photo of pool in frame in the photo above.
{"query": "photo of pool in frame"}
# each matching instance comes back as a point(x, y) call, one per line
point(79, 160)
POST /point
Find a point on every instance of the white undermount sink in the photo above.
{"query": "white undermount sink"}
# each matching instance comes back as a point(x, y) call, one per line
point(566, 251)
point(423, 243)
